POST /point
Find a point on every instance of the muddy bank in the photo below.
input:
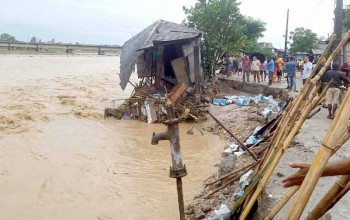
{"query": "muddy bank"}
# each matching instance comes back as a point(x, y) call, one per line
point(303, 148)
point(242, 121)
point(228, 85)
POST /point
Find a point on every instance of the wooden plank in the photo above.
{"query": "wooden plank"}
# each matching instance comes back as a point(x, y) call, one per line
point(180, 70)
point(160, 68)
point(180, 89)
point(151, 113)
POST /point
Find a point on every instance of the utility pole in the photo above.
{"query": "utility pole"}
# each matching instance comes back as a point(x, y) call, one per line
point(286, 37)
point(338, 27)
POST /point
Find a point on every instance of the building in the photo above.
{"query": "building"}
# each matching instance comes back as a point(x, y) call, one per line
point(163, 54)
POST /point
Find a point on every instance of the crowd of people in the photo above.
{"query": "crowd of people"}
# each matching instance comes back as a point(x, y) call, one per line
point(276, 68)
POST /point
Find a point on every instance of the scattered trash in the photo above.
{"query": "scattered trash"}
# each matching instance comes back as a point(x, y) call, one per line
point(280, 175)
point(238, 154)
point(251, 140)
point(222, 102)
point(242, 101)
point(216, 101)
point(231, 149)
point(244, 180)
point(223, 213)
point(238, 195)
point(125, 117)
point(191, 132)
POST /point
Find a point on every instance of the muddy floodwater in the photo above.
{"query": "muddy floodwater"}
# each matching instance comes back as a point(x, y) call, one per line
point(59, 158)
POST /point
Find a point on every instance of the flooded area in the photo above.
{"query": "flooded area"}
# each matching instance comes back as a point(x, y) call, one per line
point(60, 159)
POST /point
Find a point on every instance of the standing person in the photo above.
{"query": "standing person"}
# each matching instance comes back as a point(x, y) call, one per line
point(301, 65)
point(246, 68)
point(240, 65)
point(345, 68)
point(291, 69)
point(270, 69)
point(263, 69)
point(332, 95)
point(307, 68)
point(280, 64)
point(229, 65)
point(235, 65)
point(322, 83)
point(256, 69)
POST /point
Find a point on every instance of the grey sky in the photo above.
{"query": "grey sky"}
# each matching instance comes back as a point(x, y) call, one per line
point(115, 21)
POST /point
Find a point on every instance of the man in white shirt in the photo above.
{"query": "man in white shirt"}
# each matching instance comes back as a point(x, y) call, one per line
point(256, 69)
point(307, 69)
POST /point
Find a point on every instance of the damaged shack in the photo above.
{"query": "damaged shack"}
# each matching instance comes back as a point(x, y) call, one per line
point(166, 58)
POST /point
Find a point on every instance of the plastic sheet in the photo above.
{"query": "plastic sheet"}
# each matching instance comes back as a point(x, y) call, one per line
point(223, 213)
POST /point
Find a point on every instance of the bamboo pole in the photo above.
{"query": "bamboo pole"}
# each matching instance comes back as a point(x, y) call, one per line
point(232, 135)
point(276, 158)
point(289, 137)
point(325, 203)
point(288, 118)
point(338, 128)
point(290, 193)
point(282, 203)
point(233, 172)
point(230, 182)
point(340, 195)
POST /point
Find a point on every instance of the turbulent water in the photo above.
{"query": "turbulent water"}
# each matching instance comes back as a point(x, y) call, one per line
point(59, 159)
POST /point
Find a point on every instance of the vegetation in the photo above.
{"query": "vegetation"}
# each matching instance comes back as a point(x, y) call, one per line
point(346, 20)
point(302, 40)
point(7, 37)
point(225, 30)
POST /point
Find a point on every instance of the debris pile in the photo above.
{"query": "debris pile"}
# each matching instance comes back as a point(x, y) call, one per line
point(148, 104)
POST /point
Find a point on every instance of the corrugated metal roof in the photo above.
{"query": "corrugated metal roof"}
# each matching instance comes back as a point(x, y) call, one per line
point(317, 51)
point(160, 31)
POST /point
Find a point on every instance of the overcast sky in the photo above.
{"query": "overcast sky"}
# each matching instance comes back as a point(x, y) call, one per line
point(115, 21)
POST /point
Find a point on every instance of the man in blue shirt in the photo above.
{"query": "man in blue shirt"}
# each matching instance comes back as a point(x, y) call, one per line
point(270, 68)
point(290, 69)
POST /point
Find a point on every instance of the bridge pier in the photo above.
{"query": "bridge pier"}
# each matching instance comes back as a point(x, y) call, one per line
point(100, 51)
point(69, 50)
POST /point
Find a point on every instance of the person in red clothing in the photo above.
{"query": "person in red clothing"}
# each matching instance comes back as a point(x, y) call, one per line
point(246, 68)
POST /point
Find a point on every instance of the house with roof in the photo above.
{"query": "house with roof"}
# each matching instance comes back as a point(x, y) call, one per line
point(164, 56)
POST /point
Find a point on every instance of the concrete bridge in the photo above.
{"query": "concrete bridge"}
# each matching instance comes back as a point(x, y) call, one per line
point(68, 48)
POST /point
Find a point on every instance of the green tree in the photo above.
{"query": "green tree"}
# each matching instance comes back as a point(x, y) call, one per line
point(303, 40)
point(225, 30)
point(254, 30)
point(33, 40)
point(346, 20)
point(221, 22)
point(7, 37)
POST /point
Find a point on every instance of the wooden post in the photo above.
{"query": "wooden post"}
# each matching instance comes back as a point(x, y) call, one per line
point(197, 73)
point(160, 68)
point(338, 27)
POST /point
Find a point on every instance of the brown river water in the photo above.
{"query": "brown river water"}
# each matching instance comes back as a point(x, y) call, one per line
point(59, 159)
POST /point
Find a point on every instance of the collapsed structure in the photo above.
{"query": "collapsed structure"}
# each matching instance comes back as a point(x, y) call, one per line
point(167, 59)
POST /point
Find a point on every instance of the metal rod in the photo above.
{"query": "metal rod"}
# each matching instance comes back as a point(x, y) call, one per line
point(232, 135)
point(180, 198)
